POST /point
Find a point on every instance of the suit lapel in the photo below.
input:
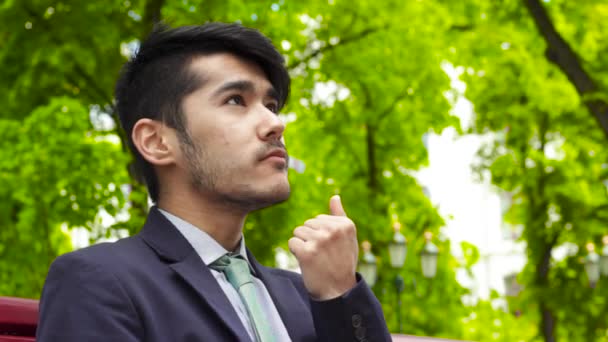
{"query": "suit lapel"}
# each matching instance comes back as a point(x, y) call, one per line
point(198, 275)
point(160, 234)
point(294, 312)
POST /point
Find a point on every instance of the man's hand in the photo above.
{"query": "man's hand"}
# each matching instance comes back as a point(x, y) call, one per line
point(326, 248)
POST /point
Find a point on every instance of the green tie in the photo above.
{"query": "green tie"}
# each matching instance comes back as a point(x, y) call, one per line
point(237, 272)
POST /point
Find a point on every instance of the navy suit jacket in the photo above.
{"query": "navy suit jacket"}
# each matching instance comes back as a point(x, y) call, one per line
point(153, 286)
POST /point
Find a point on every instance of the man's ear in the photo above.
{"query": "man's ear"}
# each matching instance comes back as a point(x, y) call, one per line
point(152, 140)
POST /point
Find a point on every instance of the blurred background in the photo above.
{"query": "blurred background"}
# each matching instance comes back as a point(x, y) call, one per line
point(466, 138)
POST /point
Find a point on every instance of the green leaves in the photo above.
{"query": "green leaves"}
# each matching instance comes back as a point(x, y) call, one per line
point(470, 253)
point(56, 173)
point(545, 153)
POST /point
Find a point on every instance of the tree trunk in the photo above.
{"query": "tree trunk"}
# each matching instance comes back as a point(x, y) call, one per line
point(561, 54)
point(545, 239)
point(547, 323)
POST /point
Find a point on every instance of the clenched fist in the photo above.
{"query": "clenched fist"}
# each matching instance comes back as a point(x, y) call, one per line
point(326, 248)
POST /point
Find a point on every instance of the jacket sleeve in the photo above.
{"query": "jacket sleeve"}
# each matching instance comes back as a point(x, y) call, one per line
point(83, 301)
point(355, 316)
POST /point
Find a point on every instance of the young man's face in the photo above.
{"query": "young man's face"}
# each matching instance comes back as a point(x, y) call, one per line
point(233, 148)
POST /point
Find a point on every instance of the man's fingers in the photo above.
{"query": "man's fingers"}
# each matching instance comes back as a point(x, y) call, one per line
point(335, 206)
point(296, 246)
point(305, 233)
point(315, 223)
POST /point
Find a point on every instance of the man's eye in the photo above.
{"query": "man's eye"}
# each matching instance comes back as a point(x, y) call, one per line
point(273, 107)
point(236, 100)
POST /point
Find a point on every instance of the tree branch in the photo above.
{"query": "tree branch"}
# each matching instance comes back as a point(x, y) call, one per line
point(390, 108)
point(596, 213)
point(462, 27)
point(345, 141)
point(152, 16)
point(561, 54)
point(371, 159)
point(344, 41)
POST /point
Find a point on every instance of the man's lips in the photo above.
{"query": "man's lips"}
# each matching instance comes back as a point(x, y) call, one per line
point(280, 153)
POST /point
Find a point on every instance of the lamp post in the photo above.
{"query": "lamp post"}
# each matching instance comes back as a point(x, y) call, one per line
point(604, 257)
point(428, 257)
point(592, 265)
point(397, 250)
point(368, 267)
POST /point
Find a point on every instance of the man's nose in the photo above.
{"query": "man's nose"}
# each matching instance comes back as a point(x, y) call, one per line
point(271, 126)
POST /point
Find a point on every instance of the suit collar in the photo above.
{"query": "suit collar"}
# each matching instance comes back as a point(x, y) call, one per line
point(205, 246)
point(160, 234)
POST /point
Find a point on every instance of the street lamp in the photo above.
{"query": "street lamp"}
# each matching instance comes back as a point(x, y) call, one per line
point(428, 257)
point(397, 250)
point(368, 267)
point(592, 265)
point(604, 257)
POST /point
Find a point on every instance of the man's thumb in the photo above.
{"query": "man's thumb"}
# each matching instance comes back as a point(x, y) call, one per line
point(335, 206)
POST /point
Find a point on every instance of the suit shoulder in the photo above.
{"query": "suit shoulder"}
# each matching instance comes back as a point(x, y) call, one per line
point(101, 254)
point(83, 293)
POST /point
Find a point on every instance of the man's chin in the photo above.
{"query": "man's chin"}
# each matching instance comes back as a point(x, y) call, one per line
point(252, 199)
point(275, 196)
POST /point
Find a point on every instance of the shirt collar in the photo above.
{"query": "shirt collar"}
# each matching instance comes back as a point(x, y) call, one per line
point(205, 246)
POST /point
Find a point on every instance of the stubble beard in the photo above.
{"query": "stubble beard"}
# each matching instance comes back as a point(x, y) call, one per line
point(205, 178)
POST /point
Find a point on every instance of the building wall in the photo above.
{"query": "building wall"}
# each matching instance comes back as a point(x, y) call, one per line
point(473, 210)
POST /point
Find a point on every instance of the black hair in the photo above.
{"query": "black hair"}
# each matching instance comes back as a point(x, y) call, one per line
point(155, 81)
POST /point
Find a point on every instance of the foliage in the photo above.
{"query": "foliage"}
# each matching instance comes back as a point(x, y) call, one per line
point(51, 177)
point(488, 322)
point(546, 152)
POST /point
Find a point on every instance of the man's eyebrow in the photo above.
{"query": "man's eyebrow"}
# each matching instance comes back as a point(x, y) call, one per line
point(241, 85)
point(244, 86)
point(274, 94)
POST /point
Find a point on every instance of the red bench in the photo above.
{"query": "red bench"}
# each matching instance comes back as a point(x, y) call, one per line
point(18, 319)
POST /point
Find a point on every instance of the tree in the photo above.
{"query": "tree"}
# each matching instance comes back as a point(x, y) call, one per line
point(51, 179)
point(547, 150)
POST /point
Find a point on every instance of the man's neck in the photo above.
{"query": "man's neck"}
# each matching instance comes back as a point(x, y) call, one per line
point(221, 221)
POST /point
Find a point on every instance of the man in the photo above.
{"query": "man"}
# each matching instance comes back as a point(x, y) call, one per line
point(199, 105)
